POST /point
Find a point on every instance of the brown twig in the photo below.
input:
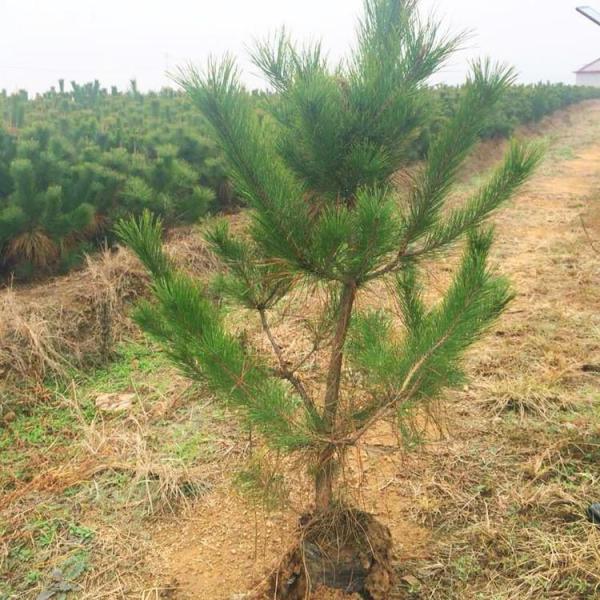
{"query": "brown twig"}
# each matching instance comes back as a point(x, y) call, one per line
point(284, 369)
point(587, 235)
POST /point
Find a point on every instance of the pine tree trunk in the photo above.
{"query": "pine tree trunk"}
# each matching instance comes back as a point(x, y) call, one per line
point(326, 466)
point(324, 480)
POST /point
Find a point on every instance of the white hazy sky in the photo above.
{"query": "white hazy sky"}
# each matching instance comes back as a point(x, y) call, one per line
point(116, 40)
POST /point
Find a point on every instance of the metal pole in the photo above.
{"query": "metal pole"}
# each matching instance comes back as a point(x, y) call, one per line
point(591, 13)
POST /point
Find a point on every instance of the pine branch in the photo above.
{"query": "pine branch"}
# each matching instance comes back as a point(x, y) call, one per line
point(274, 58)
point(449, 150)
point(519, 163)
point(191, 331)
point(144, 237)
point(287, 372)
point(281, 218)
point(435, 340)
point(408, 293)
point(394, 38)
point(252, 280)
point(447, 153)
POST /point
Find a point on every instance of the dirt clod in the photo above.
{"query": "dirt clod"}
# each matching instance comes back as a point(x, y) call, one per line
point(347, 549)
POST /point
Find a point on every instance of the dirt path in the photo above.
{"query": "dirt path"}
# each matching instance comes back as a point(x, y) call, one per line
point(224, 545)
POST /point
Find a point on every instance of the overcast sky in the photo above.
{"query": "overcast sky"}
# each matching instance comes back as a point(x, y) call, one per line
point(116, 40)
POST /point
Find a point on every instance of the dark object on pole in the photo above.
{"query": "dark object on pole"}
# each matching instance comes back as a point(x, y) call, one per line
point(593, 513)
point(591, 13)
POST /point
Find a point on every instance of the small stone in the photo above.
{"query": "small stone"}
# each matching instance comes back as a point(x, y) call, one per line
point(9, 417)
point(593, 513)
point(411, 581)
point(114, 402)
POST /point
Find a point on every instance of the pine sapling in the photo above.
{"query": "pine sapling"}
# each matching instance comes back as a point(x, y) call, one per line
point(327, 214)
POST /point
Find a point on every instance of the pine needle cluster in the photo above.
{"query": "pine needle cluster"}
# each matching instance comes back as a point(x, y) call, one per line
point(317, 174)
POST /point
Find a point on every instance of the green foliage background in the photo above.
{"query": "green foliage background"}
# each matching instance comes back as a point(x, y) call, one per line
point(73, 162)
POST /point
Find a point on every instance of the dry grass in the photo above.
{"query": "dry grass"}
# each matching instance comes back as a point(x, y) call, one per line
point(525, 396)
point(35, 247)
point(156, 483)
point(509, 517)
point(95, 480)
point(80, 318)
point(115, 280)
point(83, 316)
point(190, 252)
point(30, 344)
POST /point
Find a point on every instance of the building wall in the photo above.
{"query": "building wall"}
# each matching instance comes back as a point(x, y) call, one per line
point(591, 79)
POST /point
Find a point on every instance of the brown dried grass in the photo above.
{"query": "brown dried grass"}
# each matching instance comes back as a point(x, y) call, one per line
point(30, 342)
point(33, 246)
point(69, 321)
point(80, 318)
point(509, 517)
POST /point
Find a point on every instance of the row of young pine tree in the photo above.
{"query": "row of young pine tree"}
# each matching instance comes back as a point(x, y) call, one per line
point(73, 162)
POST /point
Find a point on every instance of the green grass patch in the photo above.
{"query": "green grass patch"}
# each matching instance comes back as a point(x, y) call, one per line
point(135, 365)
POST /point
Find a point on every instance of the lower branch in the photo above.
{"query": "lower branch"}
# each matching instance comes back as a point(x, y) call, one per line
point(285, 371)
